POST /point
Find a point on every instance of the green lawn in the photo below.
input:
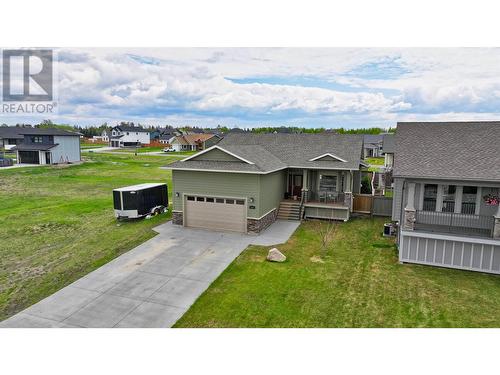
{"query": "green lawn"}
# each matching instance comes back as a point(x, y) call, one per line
point(375, 161)
point(359, 283)
point(57, 223)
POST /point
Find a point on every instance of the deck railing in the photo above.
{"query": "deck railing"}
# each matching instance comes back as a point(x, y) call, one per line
point(323, 196)
point(449, 222)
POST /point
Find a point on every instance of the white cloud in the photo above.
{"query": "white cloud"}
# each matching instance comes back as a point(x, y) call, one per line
point(350, 85)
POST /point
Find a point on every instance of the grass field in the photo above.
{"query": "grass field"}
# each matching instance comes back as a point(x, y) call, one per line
point(57, 223)
point(375, 161)
point(359, 283)
point(140, 149)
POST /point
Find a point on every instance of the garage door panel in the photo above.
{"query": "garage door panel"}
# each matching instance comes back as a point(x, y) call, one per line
point(219, 216)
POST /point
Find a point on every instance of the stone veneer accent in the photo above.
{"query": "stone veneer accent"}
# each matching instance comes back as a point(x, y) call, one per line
point(177, 218)
point(496, 229)
point(348, 200)
point(409, 220)
point(258, 225)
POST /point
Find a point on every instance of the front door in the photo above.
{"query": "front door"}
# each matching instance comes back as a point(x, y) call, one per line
point(47, 158)
point(295, 184)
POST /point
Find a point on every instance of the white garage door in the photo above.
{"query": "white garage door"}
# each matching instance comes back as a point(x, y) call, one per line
point(215, 213)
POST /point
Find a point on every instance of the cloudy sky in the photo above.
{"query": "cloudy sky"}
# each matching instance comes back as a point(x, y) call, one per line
point(248, 87)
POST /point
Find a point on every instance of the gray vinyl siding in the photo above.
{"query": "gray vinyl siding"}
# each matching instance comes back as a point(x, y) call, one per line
point(217, 155)
point(68, 149)
point(397, 199)
point(272, 191)
point(238, 185)
point(450, 251)
point(316, 212)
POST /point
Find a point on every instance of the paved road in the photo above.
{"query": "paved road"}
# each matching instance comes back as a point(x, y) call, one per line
point(152, 285)
point(113, 150)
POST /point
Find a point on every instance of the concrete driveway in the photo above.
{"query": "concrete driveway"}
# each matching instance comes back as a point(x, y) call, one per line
point(152, 285)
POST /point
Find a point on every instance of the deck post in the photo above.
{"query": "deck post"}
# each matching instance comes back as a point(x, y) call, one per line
point(496, 226)
point(409, 216)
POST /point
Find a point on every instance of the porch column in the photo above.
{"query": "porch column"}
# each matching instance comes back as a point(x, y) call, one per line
point(305, 185)
point(496, 227)
point(348, 190)
point(409, 214)
point(458, 199)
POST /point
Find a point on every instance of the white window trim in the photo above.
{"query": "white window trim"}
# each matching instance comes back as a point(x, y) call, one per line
point(328, 154)
point(218, 148)
point(458, 198)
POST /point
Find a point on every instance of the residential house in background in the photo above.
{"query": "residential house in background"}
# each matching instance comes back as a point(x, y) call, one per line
point(248, 180)
point(388, 146)
point(129, 136)
point(447, 194)
point(372, 147)
point(10, 136)
point(104, 137)
point(167, 135)
point(194, 142)
point(48, 146)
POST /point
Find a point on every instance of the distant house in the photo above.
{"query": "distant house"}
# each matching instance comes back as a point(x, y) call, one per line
point(48, 146)
point(10, 136)
point(388, 146)
point(447, 194)
point(167, 135)
point(104, 137)
point(129, 136)
point(372, 147)
point(194, 142)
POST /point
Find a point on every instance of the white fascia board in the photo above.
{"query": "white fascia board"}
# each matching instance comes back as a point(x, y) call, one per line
point(331, 155)
point(221, 170)
point(221, 149)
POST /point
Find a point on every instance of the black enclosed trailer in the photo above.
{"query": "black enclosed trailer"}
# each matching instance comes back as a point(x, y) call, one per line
point(140, 200)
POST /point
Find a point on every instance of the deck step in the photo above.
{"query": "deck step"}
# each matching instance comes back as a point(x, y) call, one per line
point(289, 211)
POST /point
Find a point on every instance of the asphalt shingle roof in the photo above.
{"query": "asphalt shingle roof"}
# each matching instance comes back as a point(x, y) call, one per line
point(48, 131)
point(18, 132)
point(12, 132)
point(389, 144)
point(271, 152)
point(448, 150)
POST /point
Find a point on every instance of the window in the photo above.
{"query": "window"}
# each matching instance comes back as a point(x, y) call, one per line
point(240, 202)
point(200, 199)
point(469, 196)
point(36, 139)
point(210, 200)
point(219, 200)
point(430, 195)
point(229, 201)
point(190, 198)
point(449, 198)
point(327, 183)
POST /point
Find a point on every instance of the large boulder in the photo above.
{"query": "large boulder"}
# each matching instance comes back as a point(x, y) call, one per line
point(275, 255)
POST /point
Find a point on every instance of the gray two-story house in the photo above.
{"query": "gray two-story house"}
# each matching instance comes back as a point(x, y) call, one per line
point(48, 146)
point(447, 188)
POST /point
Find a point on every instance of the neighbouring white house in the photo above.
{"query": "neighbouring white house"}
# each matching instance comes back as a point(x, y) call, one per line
point(129, 136)
point(48, 146)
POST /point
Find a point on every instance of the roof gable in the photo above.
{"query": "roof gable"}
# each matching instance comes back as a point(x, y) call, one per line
point(216, 153)
point(328, 157)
